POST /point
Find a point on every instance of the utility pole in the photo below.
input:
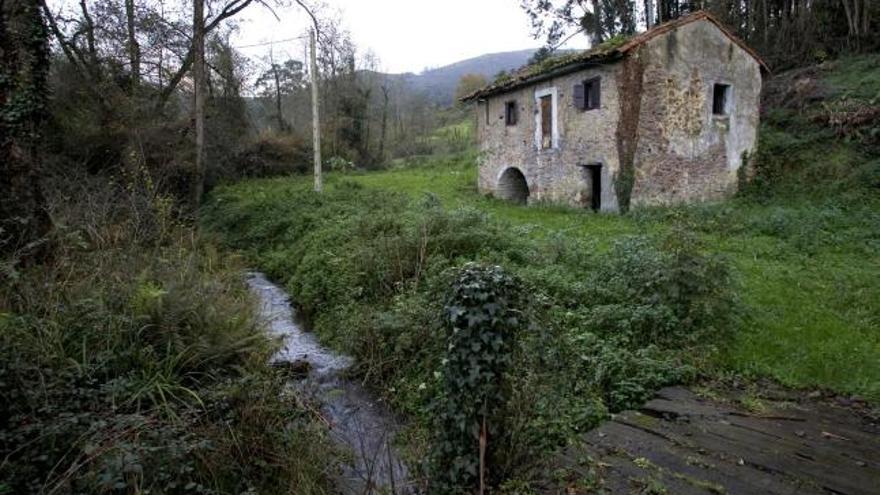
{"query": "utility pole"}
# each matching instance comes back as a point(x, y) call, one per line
point(199, 90)
point(316, 120)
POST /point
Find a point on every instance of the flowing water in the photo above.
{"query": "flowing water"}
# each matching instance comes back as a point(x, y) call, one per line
point(357, 420)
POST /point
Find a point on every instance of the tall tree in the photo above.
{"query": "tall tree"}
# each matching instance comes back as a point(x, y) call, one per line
point(165, 60)
point(785, 32)
point(24, 65)
point(199, 94)
point(468, 84)
point(383, 130)
point(134, 48)
point(599, 19)
point(280, 80)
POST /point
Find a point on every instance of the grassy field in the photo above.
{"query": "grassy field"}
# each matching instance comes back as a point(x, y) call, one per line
point(808, 270)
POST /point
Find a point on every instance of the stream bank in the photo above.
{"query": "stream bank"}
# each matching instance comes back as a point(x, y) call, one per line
point(359, 422)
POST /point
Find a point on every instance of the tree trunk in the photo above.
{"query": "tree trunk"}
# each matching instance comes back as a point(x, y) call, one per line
point(281, 125)
point(134, 48)
point(199, 90)
point(765, 22)
point(24, 65)
point(90, 32)
point(383, 129)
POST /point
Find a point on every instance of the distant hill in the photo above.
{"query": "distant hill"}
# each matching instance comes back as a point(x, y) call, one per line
point(439, 84)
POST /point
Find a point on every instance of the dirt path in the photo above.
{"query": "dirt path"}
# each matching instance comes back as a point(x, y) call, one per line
point(681, 443)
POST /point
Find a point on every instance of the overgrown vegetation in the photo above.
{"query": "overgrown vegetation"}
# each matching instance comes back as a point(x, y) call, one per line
point(134, 363)
point(370, 269)
point(821, 133)
point(482, 320)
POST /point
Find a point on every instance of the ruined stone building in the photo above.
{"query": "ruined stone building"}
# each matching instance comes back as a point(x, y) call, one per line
point(668, 116)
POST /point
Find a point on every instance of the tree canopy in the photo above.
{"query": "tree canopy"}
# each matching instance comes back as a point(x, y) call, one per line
point(785, 32)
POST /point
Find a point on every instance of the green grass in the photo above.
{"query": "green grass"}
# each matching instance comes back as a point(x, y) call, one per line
point(808, 271)
point(453, 180)
point(856, 77)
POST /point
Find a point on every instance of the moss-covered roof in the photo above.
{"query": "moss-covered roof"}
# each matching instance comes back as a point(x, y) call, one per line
point(532, 73)
point(610, 51)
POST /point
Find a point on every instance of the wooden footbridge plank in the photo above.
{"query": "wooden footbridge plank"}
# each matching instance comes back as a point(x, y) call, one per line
point(682, 443)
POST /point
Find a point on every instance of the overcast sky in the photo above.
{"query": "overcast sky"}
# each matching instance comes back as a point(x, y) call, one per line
point(406, 35)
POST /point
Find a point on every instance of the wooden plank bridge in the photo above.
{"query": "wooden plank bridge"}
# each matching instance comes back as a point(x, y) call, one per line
point(682, 443)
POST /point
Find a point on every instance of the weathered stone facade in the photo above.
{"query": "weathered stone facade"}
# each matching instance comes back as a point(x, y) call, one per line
point(659, 134)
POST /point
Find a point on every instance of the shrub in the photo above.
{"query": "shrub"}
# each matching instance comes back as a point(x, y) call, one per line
point(134, 363)
point(482, 319)
point(273, 154)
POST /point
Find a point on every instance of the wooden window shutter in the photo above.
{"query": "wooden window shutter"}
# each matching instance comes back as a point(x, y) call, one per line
point(579, 100)
point(546, 122)
point(595, 94)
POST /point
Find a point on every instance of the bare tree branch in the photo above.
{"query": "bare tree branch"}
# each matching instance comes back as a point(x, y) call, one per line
point(312, 15)
point(231, 9)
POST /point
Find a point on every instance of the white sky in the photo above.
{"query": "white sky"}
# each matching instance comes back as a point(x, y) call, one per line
point(406, 35)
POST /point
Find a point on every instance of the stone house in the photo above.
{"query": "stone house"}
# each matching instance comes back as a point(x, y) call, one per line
point(670, 115)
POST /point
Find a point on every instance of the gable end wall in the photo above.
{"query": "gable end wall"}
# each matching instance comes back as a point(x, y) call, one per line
point(684, 152)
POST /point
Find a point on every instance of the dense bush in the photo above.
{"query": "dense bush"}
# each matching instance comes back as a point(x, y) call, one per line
point(272, 154)
point(134, 363)
point(482, 320)
point(370, 270)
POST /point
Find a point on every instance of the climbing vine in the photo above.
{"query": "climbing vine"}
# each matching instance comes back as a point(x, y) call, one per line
point(481, 320)
point(630, 97)
point(24, 67)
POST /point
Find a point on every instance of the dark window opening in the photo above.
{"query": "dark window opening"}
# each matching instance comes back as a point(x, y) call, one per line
point(510, 113)
point(547, 121)
point(720, 99)
point(486, 106)
point(587, 95)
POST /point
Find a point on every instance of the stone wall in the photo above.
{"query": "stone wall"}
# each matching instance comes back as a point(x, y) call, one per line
point(663, 132)
point(684, 151)
point(584, 137)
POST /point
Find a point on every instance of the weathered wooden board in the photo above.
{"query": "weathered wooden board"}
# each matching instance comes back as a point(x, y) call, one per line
point(682, 443)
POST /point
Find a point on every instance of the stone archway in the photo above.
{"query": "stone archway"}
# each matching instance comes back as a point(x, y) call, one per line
point(512, 186)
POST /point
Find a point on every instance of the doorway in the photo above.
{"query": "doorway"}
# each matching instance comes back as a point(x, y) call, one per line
point(594, 178)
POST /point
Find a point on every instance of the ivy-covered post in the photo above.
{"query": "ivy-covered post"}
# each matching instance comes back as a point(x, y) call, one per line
point(481, 320)
point(24, 66)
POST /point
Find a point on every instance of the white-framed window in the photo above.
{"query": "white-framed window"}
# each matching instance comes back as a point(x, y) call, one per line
point(546, 118)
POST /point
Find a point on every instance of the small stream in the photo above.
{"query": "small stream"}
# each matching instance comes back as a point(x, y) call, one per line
point(357, 421)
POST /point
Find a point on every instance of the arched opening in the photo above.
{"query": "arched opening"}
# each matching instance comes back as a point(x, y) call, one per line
point(512, 186)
